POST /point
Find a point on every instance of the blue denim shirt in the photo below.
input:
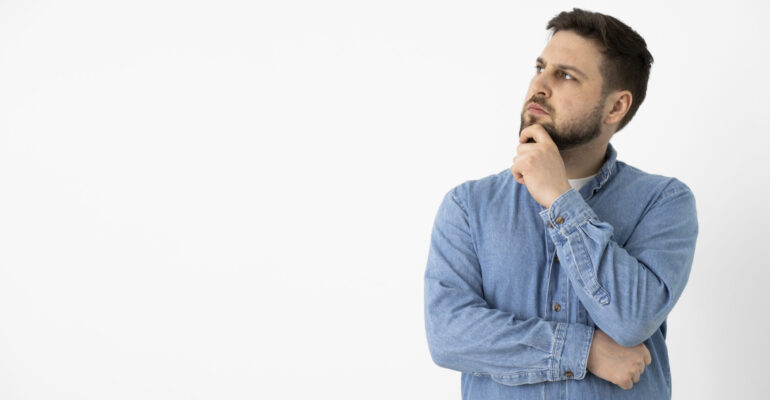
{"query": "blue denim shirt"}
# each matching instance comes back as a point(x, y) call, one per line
point(513, 291)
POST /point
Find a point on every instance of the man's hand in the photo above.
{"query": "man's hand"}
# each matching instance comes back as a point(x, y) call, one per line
point(612, 362)
point(539, 166)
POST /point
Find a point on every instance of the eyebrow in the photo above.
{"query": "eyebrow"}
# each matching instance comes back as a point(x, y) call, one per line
point(564, 67)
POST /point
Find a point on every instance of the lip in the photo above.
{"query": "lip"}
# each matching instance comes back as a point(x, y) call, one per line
point(534, 108)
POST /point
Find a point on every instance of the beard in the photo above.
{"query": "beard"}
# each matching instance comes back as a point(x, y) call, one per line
point(571, 134)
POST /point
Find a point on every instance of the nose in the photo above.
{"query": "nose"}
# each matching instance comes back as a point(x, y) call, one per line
point(539, 86)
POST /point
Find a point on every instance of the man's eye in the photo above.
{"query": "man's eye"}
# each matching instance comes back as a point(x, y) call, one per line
point(538, 68)
point(565, 75)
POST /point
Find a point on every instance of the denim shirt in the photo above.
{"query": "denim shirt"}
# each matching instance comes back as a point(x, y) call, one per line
point(514, 291)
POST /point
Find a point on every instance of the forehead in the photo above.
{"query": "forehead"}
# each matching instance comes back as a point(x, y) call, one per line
point(569, 48)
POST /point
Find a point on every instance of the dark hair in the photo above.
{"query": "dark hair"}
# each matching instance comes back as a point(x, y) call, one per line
point(627, 61)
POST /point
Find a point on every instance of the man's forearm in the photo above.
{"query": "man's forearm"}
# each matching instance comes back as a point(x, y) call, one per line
point(628, 296)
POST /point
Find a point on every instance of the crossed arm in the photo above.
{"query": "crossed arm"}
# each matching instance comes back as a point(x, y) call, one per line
point(628, 292)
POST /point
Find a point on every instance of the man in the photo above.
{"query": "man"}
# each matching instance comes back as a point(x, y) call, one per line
point(553, 280)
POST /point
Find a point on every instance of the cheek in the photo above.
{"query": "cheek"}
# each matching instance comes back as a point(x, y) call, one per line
point(573, 108)
point(568, 113)
point(570, 106)
point(563, 111)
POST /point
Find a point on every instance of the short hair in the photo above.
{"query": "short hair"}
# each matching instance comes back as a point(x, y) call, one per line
point(626, 64)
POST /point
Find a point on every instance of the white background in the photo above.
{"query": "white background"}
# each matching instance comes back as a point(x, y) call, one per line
point(234, 200)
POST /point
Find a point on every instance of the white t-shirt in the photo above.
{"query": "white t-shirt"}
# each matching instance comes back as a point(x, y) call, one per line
point(579, 182)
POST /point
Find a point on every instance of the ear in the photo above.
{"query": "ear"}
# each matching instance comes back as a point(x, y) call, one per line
point(620, 104)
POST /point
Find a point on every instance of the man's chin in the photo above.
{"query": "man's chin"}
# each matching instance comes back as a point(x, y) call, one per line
point(530, 119)
point(537, 119)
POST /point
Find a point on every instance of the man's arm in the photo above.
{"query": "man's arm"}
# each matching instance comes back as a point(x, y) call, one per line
point(466, 334)
point(627, 290)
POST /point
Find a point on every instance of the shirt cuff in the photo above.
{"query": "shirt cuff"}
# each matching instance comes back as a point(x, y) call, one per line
point(567, 212)
point(565, 217)
point(573, 343)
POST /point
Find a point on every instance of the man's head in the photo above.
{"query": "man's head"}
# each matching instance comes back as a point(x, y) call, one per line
point(590, 79)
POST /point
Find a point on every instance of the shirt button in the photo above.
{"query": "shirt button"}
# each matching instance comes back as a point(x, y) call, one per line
point(549, 224)
point(568, 374)
point(559, 220)
point(557, 307)
point(556, 258)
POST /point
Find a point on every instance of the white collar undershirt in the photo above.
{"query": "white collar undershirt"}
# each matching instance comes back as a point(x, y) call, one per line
point(579, 182)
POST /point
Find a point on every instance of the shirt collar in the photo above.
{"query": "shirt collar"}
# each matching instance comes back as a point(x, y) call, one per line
point(607, 170)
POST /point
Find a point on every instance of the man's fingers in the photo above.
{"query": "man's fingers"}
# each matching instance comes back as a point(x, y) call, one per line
point(647, 356)
point(517, 170)
point(525, 148)
point(628, 384)
point(536, 132)
point(517, 176)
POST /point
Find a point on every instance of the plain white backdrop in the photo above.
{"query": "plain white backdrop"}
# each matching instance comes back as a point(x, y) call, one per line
point(234, 199)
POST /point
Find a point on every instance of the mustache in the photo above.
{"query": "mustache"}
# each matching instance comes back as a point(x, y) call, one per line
point(539, 100)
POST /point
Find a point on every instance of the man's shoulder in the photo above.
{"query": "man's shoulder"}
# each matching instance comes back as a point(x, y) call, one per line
point(660, 186)
point(490, 185)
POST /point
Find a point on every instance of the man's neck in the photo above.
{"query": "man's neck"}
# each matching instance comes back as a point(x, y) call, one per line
point(585, 160)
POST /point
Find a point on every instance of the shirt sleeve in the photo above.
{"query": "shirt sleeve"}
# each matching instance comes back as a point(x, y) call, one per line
point(628, 291)
point(465, 334)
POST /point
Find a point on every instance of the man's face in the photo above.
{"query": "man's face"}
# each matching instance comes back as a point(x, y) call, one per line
point(565, 95)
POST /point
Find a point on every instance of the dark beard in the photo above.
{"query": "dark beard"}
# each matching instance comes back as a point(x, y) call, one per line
point(571, 135)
